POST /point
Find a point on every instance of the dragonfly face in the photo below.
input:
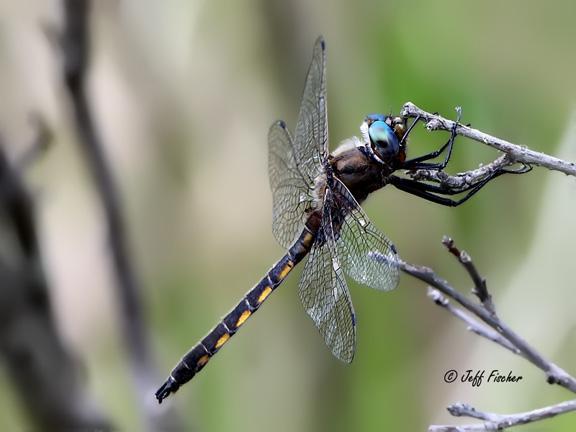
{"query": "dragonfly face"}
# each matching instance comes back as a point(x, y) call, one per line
point(384, 137)
point(316, 213)
point(365, 164)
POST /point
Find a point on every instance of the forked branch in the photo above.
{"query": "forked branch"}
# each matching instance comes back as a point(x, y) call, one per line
point(482, 319)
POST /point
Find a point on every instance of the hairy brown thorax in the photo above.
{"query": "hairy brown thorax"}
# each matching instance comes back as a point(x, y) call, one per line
point(358, 172)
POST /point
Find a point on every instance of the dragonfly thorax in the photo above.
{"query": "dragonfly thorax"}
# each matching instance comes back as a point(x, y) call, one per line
point(361, 174)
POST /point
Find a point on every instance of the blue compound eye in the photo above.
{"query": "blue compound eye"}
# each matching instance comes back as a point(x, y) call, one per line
point(375, 117)
point(384, 142)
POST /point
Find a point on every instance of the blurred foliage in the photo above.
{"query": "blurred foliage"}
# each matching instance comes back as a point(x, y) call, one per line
point(185, 92)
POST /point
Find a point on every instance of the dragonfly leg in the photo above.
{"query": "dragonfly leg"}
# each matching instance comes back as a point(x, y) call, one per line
point(405, 136)
point(524, 168)
point(440, 196)
point(419, 162)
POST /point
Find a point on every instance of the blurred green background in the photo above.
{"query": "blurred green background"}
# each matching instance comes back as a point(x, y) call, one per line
point(184, 93)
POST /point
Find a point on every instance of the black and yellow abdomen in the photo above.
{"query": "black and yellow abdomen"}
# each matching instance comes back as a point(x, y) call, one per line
point(200, 354)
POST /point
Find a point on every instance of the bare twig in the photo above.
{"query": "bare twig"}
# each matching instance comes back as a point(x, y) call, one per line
point(497, 422)
point(499, 333)
point(555, 374)
point(44, 372)
point(480, 287)
point(473, 324)
point(76, 50)
point(515, 153)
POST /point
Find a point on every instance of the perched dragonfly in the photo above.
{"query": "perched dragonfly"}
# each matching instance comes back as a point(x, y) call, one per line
point(316, 212)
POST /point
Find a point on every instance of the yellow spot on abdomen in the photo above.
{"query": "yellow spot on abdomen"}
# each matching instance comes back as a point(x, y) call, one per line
point(286, 270)
point(222, 340)
point(202, 360)
point(243, 318)
point(264, 294)
point(308, 239)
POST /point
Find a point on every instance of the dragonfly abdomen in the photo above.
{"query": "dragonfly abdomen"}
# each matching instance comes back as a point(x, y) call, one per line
point(200, 354)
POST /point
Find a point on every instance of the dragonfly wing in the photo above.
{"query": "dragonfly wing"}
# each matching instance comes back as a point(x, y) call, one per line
point(311, 137)
point(291, 192)
point(294, 164)
point(367, 255)
point(324, 293)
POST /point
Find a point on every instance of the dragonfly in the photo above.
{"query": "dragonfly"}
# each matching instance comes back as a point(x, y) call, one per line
point(317, 213)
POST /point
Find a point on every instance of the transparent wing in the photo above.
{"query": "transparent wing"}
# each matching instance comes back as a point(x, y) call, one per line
point(294, 164)
point(311, 137)
point(324, 293)
point(367, 255)
point(291, 191)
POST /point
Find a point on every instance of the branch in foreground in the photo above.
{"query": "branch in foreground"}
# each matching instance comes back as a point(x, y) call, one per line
point(496, 331)
point(515, 152)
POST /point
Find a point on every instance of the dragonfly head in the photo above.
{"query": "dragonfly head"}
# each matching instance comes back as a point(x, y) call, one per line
point(383, 137)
